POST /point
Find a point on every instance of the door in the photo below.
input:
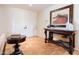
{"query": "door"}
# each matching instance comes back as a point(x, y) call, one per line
point(24, 23)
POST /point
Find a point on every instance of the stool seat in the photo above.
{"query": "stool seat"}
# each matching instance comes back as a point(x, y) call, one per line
point(16, 39)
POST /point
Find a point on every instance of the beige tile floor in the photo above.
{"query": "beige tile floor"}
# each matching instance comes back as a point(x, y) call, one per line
point(36, 46)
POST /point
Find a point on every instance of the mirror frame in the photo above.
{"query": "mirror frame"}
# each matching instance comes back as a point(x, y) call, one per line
point(70, 13)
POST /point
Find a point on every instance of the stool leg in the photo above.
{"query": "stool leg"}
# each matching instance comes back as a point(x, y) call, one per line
point(17, 50)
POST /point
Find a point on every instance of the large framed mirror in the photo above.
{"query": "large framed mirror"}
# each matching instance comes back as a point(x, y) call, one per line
point(62, 16)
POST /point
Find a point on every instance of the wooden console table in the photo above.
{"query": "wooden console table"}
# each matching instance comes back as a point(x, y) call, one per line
point(69, 34)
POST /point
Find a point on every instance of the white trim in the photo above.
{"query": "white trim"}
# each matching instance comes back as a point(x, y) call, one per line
point(76, 48)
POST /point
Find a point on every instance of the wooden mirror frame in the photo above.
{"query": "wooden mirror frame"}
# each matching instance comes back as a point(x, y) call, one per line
point(70, 14)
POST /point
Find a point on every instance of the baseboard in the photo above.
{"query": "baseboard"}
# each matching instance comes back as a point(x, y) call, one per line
point(76, 48)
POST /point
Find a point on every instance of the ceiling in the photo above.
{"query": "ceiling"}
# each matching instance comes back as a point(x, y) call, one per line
point(34, 7)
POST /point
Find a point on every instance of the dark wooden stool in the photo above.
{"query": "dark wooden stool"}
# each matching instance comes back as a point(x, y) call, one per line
point(16, 39)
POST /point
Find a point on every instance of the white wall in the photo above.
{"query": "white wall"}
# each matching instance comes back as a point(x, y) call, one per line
point(44, 20)
point(13, 20)
point(5, 22)
point(76, 24)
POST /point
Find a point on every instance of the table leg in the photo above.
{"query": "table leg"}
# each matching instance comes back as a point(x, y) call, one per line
point(4, 49)
point(50, 36)
point(71, 49)
point(73, 40)
point(17, 51)
point(45, 36)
